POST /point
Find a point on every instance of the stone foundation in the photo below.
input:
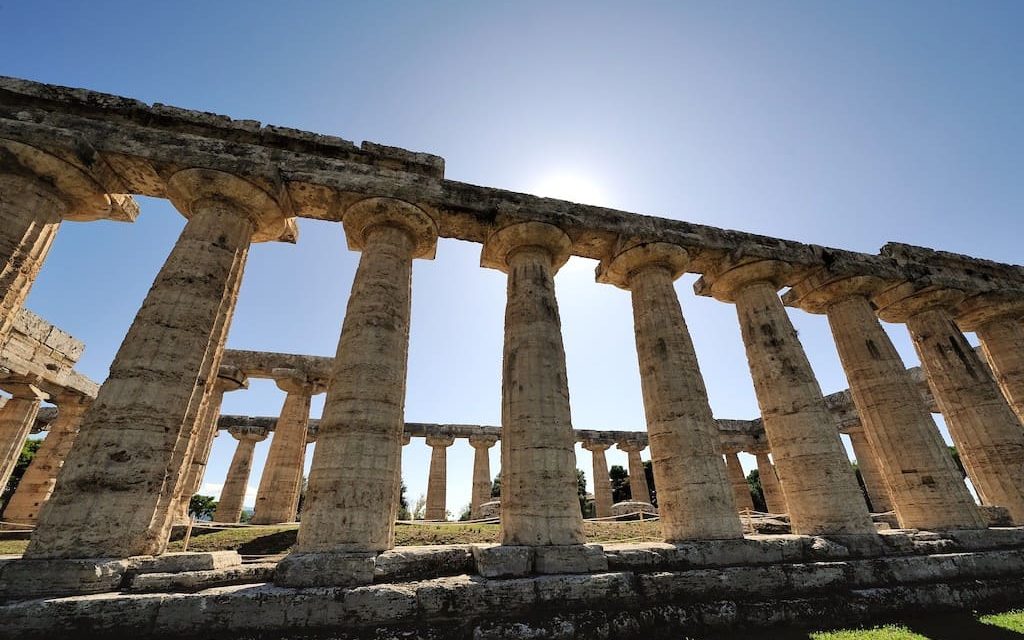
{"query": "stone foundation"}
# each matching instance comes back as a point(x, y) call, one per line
point(658, 590)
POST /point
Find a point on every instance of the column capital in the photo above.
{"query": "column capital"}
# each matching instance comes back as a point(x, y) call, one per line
point(977, 311)
point(406, 439)
point(440, 440)
point(619, 269)
point(83, 197)
point(246, 432)
point(294, 381)
point(231, 379)
point(482, 441)
point(503, 242)
point(23, 390)
point(731, 277)
point(631, 446)
point(821, 289)
point(906, 299)
point(370, 213)
point(189, 187)
point(595, 446)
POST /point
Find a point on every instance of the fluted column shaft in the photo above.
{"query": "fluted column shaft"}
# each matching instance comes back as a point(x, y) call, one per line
point(16, 419)
point(602, 481)
point(350, 498)
point(874, 482)
point(986, 432)
point(121, 479)
point(738, 481)
point(638, 489)
point(437, 481)
point(539, 500)
point(774, 499)
point(820, 488)
point(694, 498)
point(481, 472)
point(232, 495)
point(31, 214)
point(37, 483)
point(1002, 339)
point(904, 462)
point(278, 496)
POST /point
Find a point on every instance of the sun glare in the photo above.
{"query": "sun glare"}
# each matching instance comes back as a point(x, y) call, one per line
point(571, 186)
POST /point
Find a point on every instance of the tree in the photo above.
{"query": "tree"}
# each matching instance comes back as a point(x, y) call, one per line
point(202, 507)
point(419, 509)
point(28, 452)
point(403, 503)
point(649, 474)
point(302, 498)
point(757, 491)
point(466, 513)
point(959, 463)
point(496, 486)
point(620, 483)
point(581, 493)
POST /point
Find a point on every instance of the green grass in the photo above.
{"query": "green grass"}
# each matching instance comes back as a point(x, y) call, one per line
point(885, 632)
point(12, 546)
point(1011, 620)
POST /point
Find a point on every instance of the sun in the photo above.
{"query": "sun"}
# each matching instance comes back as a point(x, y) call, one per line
point(572, 186)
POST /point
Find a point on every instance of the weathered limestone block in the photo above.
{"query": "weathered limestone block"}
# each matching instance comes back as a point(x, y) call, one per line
point(505, 561)
point(821, 491)
point(999, 324)
point(774, 499)
point(602, 481)
point(539, 504)
point(116, 492)
point(693, 492)
point(481, 472)
point(17, 416)
point(350, 501)
point(985, 430)
point(232, 495)
point(740, 487)
point(638, 489)
point(412, 563)
point(630, 507)
point(437, 481)
point(906, 465)
point(37, 483)
point(277, 499)
point(187, 561)
point(45, 577)
point(491, 509)
point(192, 581)
point(228, 379)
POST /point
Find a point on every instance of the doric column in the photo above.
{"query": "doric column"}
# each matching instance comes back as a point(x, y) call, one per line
point(37, 191)
point(116, 494)
point(602, 481)
point(37, 483)
point(821, 490)
point(915, 475)
point(481, 472)
point(774, 499)
point(278, 497)
point(987, 433)
point(229, 507)
point(539, 502)
point(870, 471)
point(350, 498)
point(999, 325)
point(694, 499)
point(437, 481)
point(738, 481)
point(228, 379)
point(638, 489)
point(17, 416)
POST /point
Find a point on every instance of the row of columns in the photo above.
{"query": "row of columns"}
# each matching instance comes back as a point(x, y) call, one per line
point(127, 472)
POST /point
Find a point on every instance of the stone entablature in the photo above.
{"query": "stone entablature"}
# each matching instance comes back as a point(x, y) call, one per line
point(38, 351)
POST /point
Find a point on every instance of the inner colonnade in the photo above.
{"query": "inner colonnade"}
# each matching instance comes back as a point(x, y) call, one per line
point(141, 443)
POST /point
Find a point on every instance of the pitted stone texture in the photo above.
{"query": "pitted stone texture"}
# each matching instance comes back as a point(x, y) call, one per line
point(437, 481)
point(481, 473)
point(491, 509)
point(987, 434)
point(325, 569)
point(118, 486)
point(602, 481)
point(277, 499)
point(350, 499)
point(503, 561)
point(821, 491)
point(188, 561)
point(1003, 342)
point(632, 507)
point(34, 578)
point(229, 508)
point(192, 581)
point(17, 416)
point(412, 563)
point(693, 492)
point(906, 465)
point(539, 503)
point(36, 485)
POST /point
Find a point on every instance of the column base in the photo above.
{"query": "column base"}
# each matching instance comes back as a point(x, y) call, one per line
point(29, 578)
point(325, 569)
point(507, 561)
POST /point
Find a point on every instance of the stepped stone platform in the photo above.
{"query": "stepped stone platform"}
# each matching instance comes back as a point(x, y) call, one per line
point(654, 589)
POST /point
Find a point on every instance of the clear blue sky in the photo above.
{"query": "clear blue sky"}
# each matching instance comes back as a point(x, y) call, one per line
point(841, 123)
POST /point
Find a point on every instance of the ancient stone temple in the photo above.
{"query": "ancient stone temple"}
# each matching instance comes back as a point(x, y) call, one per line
point(120, 462)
